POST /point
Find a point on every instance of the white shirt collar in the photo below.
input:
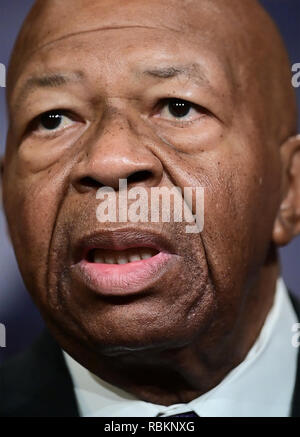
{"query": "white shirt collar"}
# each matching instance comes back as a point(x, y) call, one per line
point(262, 385)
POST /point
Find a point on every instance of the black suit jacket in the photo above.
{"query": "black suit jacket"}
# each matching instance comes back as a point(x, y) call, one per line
point(38, 384)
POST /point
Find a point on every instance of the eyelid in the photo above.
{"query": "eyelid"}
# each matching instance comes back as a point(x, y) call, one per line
point(165, 101)
point(34, 123)
point(38, 118)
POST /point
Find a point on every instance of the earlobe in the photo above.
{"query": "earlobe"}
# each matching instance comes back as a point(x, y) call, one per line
point(287, 223)
point(283, 231)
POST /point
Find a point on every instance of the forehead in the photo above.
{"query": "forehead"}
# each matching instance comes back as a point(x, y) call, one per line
point(54, 19)
point(128, 47)
point(132, 35)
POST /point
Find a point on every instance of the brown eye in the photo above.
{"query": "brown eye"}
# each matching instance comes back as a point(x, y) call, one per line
point(179, 108)
point(179, 111)
point(51, 120)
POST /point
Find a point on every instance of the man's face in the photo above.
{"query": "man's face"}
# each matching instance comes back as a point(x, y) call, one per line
point(110, 78)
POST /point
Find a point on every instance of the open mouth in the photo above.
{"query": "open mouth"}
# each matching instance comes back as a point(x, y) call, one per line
point(107, 256)
point(122, 263)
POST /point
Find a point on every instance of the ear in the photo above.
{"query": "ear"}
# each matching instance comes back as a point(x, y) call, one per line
point(287, 223)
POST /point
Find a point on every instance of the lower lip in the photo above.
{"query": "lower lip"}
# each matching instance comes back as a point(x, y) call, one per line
point(123, 279)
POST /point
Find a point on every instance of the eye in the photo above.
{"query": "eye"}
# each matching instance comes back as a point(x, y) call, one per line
point(181, 110)
point(52, 121)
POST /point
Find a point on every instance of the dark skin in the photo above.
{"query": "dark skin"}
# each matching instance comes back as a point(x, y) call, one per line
point(120, 61)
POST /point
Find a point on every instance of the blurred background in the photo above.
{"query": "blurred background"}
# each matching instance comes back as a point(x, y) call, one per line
point(17, 312)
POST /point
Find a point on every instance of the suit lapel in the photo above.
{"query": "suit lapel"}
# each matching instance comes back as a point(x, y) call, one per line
point(38, 384)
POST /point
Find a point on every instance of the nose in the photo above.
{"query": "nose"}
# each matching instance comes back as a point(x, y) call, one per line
point(117, 152)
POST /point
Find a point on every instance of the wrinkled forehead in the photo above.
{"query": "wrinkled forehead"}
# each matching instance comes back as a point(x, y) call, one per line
point(51, 20)
point(188, 21)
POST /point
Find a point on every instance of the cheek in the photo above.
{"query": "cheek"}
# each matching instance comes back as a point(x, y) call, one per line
point(32, 204)
point(240, 207)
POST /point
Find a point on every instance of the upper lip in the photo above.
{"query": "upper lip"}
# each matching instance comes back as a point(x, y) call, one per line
point(121, 239)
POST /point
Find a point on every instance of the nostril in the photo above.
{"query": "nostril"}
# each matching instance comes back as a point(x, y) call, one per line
point(90, 182)
point(139, 176)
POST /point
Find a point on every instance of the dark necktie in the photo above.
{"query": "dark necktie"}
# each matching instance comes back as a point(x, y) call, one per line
point(187, 414)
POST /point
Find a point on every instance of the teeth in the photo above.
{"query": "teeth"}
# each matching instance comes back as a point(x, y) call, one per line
point(146, 254)
point(134, 257)
point(110, 259)
point(99, 259)
point(122, 257)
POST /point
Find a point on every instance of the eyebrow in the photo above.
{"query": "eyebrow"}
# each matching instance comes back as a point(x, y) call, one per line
point(52, 80)
point(56, 80)
point(190, 71)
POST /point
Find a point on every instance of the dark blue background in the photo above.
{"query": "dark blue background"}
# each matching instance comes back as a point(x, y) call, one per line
point(17, 312)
